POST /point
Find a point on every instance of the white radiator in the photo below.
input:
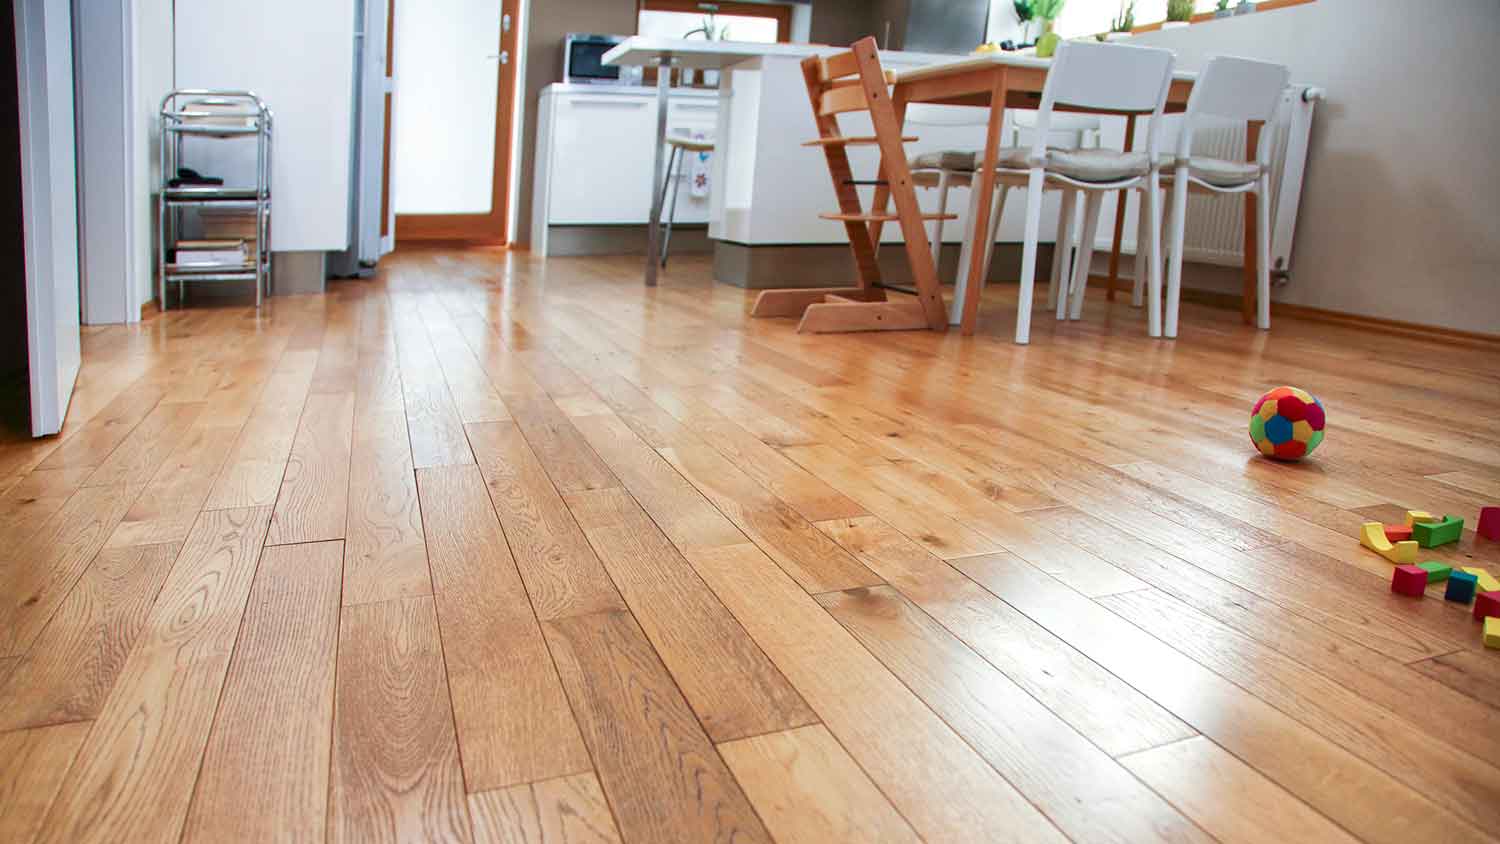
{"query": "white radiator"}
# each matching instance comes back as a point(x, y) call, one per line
point(1216, 223)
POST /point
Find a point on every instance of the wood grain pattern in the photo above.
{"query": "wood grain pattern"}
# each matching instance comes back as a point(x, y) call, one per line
point(932, 777)
point(809, 791)
point(396, 774)
point(640, 730)
point(74, 662)
point(437, 433)
point(251, 476)
point(568, 459)
point(512, 719)
point(314, 496)
point(135, 773)
point(165, 510)
point(34, 498)
point(562, 573)
point(36, 760)
point(565, 810)
point(136, 459)
point(1474, 674)
point(731, 685)
point(265, 771)
point(1226, 797)
point(385, 553)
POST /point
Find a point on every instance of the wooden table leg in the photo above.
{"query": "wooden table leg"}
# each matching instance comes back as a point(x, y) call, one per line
point(984, 188)
point(1248, 290)
point(1114, 251)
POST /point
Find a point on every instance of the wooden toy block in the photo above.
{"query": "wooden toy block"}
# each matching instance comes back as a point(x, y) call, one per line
point(1489, 523)
point(1409, 580)
point(1414, 516)
point(1436, 572)
point(1372, 536)
point(1492, 632)
point(1486, 582)
point(1460, 587)
point(1433, 534)
point(1486, 605)
point(1397, 533)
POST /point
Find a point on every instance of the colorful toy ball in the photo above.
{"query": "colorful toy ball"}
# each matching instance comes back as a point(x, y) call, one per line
point(1287, 423)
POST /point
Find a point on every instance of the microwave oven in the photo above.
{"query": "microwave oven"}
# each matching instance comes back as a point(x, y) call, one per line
point(583, 54)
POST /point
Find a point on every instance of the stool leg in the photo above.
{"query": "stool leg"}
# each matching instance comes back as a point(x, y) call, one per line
point(666, 241)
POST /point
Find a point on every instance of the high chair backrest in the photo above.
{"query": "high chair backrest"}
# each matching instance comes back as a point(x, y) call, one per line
point(1234, 89)
point(1105, 77)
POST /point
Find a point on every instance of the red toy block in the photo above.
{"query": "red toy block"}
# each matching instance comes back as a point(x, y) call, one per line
point(1487, 605)
point(1409, 580)
point(1489, 523)
point(1397, 533)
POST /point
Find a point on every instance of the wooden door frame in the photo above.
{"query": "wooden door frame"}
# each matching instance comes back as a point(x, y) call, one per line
point(782, 14)
point(491, 229)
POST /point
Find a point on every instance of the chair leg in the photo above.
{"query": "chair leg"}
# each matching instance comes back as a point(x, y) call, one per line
point(1138, 286)
point(995, 212)
point(1177, 227)
point(666, 242)
point(1062, 254)
point(1263, 248)
point(1092, 210)
point(937, 225)
point(1153, 255)
point(1028, 253)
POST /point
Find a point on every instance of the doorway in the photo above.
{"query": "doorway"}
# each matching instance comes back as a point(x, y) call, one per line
point(455, 63)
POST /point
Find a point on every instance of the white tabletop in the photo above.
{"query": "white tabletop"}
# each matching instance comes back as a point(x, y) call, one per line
point(698, 53)
point(984, 60)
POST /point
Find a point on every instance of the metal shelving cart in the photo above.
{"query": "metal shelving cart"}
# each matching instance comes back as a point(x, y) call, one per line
point(219, 116)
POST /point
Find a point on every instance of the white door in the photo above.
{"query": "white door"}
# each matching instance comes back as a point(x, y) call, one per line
point(49, 206)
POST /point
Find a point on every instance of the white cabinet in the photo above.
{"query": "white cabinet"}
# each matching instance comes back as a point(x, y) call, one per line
point(595, 149)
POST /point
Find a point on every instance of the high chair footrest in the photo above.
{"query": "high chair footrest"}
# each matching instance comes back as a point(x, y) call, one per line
point(881, 218)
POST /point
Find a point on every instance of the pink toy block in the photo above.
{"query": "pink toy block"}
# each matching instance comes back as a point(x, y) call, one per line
point(1487, 605)
point(1409, 580)
point(1489, 523)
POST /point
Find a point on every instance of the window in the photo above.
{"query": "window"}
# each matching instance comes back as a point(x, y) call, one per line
point(760, 22)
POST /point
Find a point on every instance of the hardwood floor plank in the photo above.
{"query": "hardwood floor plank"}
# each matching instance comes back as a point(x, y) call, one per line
point(809, 791)
point(135, 771)
point(505, 816)
point(76, 658)
point(385, 554)
point(731, 685)
point(684, 515)
point(570, 462)
point(314, 496)
point(1081, 789)
point(1227, 797)
point(937, 782)
point(37, 574)
point(92, 444)
point(139, 455)
point(437, 432)
point(165, 510)
point(1474, 674)
point(252, 475)
point(562, 574)
point(661, 773)
point(265, 770)
point(396, 773)
point(1364, 800)
point(34, 499)
point(565, 810)
point(512, 718)
point(36, 760)
point(1092, 701)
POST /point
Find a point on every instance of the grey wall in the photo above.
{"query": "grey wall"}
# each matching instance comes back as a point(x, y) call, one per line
point(1400, 215)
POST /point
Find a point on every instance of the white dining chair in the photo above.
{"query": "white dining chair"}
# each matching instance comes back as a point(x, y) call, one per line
point(1112, 78)
point(1236, 91)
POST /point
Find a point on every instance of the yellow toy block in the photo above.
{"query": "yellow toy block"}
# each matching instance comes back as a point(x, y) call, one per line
point(1372, 536)
point(1414, 516)
point(1492, 632)
point(1487, 581)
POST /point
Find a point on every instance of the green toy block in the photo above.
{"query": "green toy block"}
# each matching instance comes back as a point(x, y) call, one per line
point(1436, 572)
point(1431, 535)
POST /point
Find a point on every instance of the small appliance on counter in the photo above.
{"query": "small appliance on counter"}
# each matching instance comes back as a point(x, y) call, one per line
point(583, 54)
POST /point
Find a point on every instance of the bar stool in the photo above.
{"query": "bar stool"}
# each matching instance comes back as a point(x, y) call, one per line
point(680, 145)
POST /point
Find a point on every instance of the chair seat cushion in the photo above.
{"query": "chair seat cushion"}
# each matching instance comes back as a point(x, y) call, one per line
point(1215, 171)
point(690, 144)
point(963, 161)
point(1095, 165)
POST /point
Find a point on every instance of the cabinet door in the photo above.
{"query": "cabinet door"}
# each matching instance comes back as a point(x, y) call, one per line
point(603, 147)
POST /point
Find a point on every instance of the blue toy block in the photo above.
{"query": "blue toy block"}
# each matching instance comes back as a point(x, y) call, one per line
point(1461, 586)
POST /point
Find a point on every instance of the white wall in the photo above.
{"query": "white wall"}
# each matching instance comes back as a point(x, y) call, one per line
point(1400, 215)
point(103, 102)
point(298, 55)
point(152, 73)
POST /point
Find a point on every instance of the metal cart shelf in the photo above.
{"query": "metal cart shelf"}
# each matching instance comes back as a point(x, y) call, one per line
point(220, 116)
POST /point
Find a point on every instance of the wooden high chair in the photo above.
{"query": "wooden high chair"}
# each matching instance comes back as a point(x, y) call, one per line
point(851, 82)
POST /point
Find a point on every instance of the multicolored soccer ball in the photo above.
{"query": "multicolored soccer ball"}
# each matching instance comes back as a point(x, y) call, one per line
point(1287, 423)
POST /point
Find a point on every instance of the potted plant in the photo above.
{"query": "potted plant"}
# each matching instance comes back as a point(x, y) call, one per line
point(1221, 9)
point(1024, 14)
point(1121, 27)
point(1179, 13)
point(1244, 8)
point(1047, 11)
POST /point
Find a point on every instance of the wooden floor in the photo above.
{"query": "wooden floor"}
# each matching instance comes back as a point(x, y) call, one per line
point(491, 549)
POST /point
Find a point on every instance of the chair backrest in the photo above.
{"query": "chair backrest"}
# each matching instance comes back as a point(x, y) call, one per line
point(836, 82)
point(1234, 89)
point(1106, 77)
point(1084, 128)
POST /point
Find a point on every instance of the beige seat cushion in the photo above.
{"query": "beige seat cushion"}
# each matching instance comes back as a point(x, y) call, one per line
point(946, 159)
point(691, 144)
point(1215, 171)
point(1096, 165)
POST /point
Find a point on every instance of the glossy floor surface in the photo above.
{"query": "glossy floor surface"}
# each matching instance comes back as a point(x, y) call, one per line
point(492, 549)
